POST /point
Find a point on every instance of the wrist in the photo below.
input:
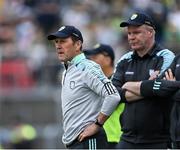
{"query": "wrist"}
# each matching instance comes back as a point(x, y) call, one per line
point(98, 123)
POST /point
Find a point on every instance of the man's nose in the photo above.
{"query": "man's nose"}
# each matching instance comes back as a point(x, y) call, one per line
point(131, 36)
point(58, 46)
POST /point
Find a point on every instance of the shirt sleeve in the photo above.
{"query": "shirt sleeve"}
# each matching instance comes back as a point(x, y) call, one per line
point(118, 80)
point(176, 96)
point(101, 85)
point(172, 67)
point(159, 87)
point(168, 57)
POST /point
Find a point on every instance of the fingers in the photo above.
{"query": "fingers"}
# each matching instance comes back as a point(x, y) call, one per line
point(157, 72)
point(81, 137)
point(154, 75)
point(88, 131)
point(169, 75)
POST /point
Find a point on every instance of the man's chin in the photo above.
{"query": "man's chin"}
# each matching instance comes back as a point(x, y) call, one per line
point(135, 48)
point(61, 59)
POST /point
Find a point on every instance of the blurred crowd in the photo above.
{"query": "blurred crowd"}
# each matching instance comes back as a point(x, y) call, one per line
point(27, 59)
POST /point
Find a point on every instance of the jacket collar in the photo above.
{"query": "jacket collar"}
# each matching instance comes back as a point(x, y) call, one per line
point(76, 60)
point(151, 52)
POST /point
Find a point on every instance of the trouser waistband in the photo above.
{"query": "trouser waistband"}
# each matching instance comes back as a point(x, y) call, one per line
point(72, 143)
point(99, 140)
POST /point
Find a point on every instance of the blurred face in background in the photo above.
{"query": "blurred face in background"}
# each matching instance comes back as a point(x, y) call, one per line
point(66, 48)
point(102, 59)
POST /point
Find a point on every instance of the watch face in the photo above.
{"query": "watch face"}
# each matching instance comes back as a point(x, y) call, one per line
point(97, 123)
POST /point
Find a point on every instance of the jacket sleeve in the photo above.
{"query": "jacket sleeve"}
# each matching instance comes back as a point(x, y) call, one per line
point(118, 79)
point(101, 85)
point(168, 57)
point(159, 87)
point(176, 96)
point(172, 67)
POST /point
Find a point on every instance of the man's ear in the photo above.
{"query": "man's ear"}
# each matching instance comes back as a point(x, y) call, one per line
point(78, 44)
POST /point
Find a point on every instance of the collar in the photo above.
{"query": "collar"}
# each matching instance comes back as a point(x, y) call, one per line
point(76, 60)
point(156, 47)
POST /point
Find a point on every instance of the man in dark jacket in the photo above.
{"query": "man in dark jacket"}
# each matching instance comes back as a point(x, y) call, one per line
point(145, 122)
point(164, 88)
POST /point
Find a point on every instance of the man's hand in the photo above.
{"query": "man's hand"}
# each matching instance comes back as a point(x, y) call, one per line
point(88, 131)
point(154, 75)
point(133, 91)
point(169, 75)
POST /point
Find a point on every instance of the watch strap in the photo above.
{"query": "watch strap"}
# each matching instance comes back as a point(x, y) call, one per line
point(97, 123)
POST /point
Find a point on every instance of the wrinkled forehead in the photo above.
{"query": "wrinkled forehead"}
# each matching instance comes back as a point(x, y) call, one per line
point(63, 39)
point(137, 28)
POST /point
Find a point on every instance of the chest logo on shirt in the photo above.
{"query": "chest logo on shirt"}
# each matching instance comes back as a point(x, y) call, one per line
point(72, 84)
point(129, 73)
point(177, 65)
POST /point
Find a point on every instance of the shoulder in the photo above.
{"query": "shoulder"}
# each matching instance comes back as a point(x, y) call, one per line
point(126, 57)
point(165, 53)
point(86, 65)
point(90, 68)
point(167, 56)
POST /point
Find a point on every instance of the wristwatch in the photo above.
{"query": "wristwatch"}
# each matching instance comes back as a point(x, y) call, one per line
point(97, 123)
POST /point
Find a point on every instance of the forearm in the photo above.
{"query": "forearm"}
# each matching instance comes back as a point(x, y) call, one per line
point(102, 118)
point(131, 97)
point(133, 87)
point(110, 103)
point(162, 88)
point(149, 88)
point(132, 91)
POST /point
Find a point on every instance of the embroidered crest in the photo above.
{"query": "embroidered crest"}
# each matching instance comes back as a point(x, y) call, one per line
point(97, 46)
point(134, 16)
point(72, 84)
point(61, 28)
point(129, 73)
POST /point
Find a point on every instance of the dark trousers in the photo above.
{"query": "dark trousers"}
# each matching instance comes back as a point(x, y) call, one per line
point(97, 141)
point(111, 145)
point(176, 145)
point(127, 145)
